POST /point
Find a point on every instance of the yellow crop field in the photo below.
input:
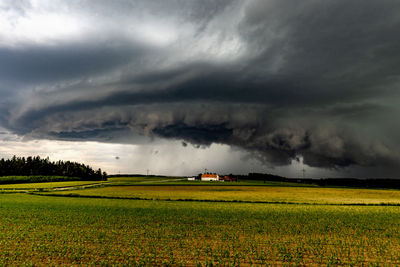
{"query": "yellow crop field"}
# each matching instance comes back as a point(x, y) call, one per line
point(131, 225)
point(310, 195)
point(46, 185)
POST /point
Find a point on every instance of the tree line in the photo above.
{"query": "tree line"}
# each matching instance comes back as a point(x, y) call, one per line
point(33, 166)
point(345, 182)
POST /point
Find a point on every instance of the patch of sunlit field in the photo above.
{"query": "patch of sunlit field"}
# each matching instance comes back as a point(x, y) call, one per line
point(239, 183)
point(140, 179)
point(43, 230)
point(46, 185)
point(149, 180)
point(281, 194)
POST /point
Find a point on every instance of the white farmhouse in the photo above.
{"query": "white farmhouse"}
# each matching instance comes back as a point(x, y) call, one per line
point(209, 177)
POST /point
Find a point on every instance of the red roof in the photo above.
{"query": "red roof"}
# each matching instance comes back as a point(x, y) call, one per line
point(204, 175)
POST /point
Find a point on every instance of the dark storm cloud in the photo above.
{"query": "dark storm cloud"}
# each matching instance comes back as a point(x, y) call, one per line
point(41, 64)
point(317, 79)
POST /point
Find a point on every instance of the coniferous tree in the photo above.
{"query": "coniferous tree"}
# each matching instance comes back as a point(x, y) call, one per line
point(21, 166)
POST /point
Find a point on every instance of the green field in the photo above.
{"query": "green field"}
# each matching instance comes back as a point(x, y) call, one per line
point(47, 230)
point(14, 182)
point(183, 181)
point(270, 194)
point(143, 180)
point(36, 179)
point(52, 185)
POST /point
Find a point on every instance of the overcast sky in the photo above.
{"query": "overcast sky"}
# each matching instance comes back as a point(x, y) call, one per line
point(177, 86)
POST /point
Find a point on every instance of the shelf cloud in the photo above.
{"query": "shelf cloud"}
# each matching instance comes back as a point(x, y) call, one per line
point(316, 80)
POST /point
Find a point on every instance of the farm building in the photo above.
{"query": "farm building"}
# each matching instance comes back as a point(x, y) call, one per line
point(229, 178)
point(209, 177)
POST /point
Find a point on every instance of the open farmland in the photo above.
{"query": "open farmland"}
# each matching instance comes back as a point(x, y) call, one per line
point(40, 230)
point(142, 180)
point(184, 181)
point(51, 185)
point(273, 194)
point(15, 185)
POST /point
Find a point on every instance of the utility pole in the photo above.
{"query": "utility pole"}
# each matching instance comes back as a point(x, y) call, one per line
point(148, 172)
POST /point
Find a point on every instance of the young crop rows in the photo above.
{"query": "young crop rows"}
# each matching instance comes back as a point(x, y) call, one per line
point(42, 230)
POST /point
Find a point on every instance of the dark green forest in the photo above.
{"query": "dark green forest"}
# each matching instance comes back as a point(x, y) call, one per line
point(36, 166)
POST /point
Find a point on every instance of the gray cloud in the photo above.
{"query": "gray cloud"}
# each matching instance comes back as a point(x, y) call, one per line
point(317, 80)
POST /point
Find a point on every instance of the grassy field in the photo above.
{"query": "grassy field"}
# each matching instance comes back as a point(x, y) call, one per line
point(183, 181)
point(247, 193)
point(142, 180)
point(47, 185)
point(14, 182)
point(36, 179)
point(41, 230)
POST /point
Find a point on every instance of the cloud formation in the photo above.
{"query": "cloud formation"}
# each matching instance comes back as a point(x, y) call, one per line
point(281, 80)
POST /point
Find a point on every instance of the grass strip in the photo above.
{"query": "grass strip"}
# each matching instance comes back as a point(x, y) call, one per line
point(218, 201)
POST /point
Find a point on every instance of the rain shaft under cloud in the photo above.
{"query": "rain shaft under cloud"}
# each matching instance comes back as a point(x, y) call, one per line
point(278, 79)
